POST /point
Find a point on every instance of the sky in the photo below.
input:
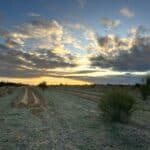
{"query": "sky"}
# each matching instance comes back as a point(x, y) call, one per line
point(74, 41)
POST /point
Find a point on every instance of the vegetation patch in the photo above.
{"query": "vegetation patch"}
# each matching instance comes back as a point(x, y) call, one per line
point(117, 106)
point(145, 89)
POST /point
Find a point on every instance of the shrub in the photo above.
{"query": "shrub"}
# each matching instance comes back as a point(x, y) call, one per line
point(145, 89)
point(148, 80)
point(117, 106)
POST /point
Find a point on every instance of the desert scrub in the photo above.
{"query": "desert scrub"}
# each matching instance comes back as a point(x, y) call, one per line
point(117, 106)
point(145, 88)
point(144, 91)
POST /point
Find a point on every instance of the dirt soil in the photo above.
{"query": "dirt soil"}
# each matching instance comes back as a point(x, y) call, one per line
point(68, 122)
point(29, 98)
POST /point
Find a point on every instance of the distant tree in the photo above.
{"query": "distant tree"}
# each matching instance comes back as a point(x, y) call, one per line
point(93, 85)
point(61, 84)
point(10, 84)
point(43, 85)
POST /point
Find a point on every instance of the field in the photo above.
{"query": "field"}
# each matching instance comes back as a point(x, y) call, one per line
point(67, 118)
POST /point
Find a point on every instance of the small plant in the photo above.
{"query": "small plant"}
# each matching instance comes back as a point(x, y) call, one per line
point(117, 106)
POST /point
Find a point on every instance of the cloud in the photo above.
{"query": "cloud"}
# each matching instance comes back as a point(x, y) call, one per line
point(36, 46)
point(111, 79)
point(139, 31)
point(40, 28)
point(77, 26)
point(82, 3)
point(126, 12)
point(38, 33)
point(126, 56)
point(32, 14)
point(72, 41)
point(43, 47)
point(12, 39)
point(137, 60)
point(90, 35)
point(110, 44)
point(109, 23)
point(24, 64)
point(75, 35)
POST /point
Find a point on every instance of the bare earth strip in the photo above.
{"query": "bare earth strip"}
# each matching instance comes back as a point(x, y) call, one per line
point(30, 98)
point(24, 99)
point(86, 96)
point(36, 100)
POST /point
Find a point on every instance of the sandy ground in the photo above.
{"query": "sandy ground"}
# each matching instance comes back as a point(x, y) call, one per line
point(69, 122)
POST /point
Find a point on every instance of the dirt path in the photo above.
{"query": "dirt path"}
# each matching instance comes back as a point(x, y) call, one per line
point(24, 99)
point(63, 134)
point(83, 95)
point(36, 100)
point(30, 98)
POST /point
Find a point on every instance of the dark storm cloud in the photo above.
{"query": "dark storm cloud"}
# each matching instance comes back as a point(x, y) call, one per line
point(137, 59)
point(47, 60)
point(107, 42)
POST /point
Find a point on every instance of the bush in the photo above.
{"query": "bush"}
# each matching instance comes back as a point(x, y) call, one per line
point(148, 80)
point(117, 106)
point(145, 89)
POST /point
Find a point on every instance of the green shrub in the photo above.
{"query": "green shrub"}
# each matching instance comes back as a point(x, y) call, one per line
point(117, 106)
point(145, 89)
point(148, 80)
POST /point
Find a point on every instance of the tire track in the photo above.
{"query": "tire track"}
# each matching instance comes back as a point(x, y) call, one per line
point(82, 95)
